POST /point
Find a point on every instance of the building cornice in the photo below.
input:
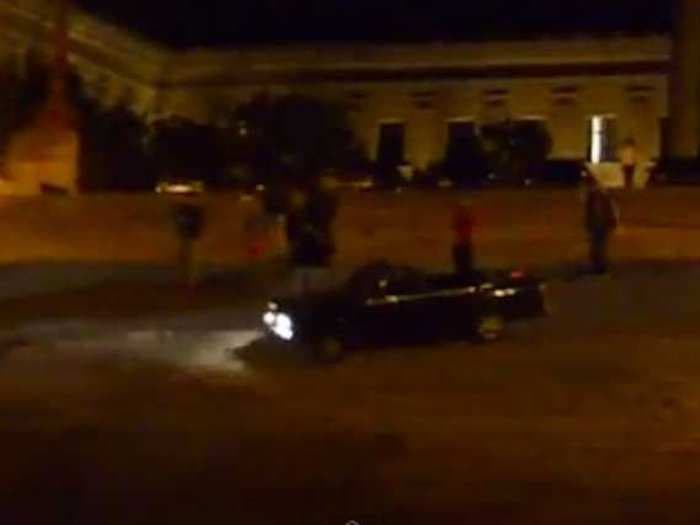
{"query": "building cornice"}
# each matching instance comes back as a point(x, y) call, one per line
point(28, 23)
point(210, 66)
point(133, 57)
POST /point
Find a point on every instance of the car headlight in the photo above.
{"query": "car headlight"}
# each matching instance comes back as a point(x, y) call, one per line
point(504, 292)
point(283, 322)
point(284, 327)
point(279, 324)
point(269, 318)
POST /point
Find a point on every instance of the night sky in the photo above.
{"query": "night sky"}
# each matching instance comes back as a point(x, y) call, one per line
point(185, 23)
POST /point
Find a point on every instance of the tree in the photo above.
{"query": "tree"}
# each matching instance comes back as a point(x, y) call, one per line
point(465, 160)
point(293, 139)
point(531, 144)
point(112, 154)
point(516, 150)
point(182, 148)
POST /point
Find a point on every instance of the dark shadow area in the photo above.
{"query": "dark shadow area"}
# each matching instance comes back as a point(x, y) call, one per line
point(37, 291)
point(267, 353)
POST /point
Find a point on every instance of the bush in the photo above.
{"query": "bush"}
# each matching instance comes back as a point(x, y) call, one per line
point(516, 151)
point(293, 139)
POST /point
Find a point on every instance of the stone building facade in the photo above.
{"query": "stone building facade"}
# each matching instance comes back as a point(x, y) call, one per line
point(590, 92)
point(425, 89)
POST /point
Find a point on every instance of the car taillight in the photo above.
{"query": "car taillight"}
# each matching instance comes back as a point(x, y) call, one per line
point(517, 274)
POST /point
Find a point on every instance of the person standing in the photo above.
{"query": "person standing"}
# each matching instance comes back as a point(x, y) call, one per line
point(628, 159)
point(320, 213)
point(310, 237)
point(601, 220)
point(463, 224)
point(295, 230)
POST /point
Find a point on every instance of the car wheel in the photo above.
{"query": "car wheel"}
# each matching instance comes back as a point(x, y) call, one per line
point(488, 328)
point(329, 350)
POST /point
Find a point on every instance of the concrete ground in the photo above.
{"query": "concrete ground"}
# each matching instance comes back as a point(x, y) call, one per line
point(590, 416)
point(534, 227)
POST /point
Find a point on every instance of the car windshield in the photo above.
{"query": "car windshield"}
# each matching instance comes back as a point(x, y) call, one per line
point(381, 278)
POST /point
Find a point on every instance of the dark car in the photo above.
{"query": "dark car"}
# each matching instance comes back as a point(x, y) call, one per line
point(382, 305)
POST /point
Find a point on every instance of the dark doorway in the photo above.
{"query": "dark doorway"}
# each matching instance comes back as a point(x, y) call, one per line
point(460, 134)
point(464, 158)
point(391, 144)
point(390, 152)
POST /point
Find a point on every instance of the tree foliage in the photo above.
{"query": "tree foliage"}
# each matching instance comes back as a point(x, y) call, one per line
point(181, 148)
point(112, 155)
point(516, 150)
point(293, 138)
point(290, 138)
point(465, 161)
point(112, 152)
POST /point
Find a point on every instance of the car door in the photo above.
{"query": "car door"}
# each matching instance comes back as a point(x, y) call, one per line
point(372, 313)
point(391, 308)
point(404, 310)
point(455, 308)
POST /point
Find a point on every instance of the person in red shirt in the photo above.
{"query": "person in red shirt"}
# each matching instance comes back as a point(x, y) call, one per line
point(463, 224)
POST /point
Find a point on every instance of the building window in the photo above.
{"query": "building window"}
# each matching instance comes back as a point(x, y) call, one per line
point(464, 158)
point(461, 137)
point(390, 152)
point(602, 138)
point(534, 131)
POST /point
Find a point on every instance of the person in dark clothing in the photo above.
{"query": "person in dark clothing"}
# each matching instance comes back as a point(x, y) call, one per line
point(310, 236)
point(463, 245)
point(295, 221)
point(321, 210)
point(600, 221)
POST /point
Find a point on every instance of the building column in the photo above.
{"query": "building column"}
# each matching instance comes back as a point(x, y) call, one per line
point(684, 99)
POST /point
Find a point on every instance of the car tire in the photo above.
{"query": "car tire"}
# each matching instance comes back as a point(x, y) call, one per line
point(488, 328)
point(329, 350)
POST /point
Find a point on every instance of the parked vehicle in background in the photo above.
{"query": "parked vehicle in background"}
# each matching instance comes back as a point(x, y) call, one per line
point(180, 187)
point(675, 173)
